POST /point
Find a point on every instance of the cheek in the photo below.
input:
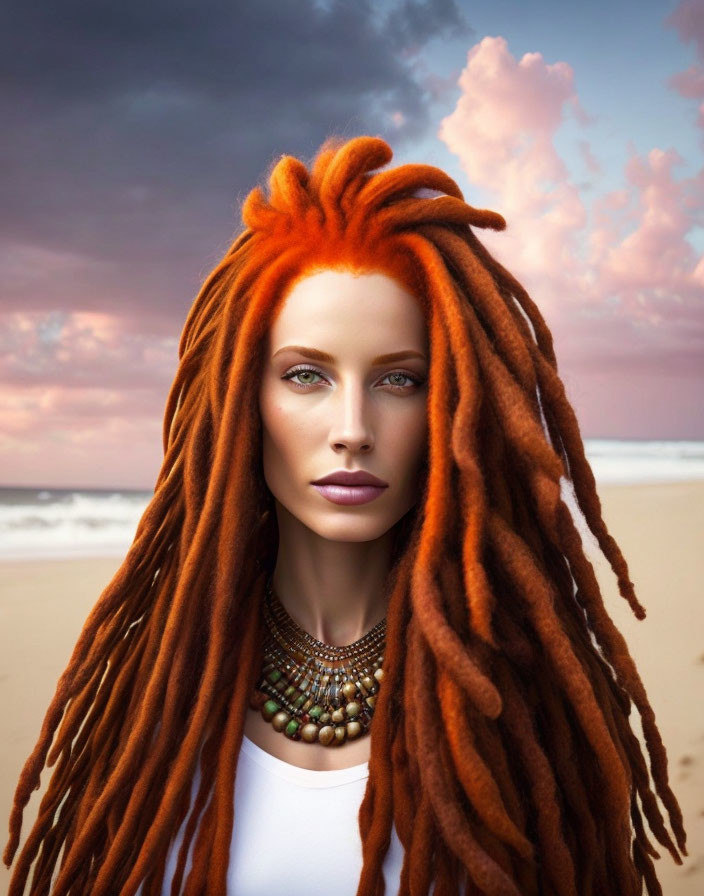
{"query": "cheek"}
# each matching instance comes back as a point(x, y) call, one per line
point(272, 435)
point(416, 433)
point(273, 416)
point(405, 444)
point(284, 431)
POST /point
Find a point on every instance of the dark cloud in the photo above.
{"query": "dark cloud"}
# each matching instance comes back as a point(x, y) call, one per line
point(414, 23)
point(132, 131)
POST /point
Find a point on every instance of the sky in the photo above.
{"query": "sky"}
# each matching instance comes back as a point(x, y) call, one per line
point(132, 132)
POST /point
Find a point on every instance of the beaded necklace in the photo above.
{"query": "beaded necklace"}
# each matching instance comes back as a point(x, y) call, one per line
point(312, 691)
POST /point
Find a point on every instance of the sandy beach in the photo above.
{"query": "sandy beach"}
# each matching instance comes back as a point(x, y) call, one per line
point(43, 605)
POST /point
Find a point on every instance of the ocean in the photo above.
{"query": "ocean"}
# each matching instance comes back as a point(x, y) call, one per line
point(38, 522)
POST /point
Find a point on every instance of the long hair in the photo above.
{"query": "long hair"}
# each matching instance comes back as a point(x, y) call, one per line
point(501, 748)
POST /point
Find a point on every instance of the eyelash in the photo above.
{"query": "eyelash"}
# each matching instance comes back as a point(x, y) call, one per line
point(302, 368)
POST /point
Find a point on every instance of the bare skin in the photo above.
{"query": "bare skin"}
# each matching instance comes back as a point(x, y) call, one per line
point(353, 413)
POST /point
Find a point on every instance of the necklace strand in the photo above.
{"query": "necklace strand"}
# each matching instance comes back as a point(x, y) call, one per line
point(312, 691)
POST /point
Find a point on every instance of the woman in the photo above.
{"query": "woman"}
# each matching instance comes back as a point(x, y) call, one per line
point(477, 669)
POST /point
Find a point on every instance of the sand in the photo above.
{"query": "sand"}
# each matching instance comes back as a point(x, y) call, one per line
point(44, 603)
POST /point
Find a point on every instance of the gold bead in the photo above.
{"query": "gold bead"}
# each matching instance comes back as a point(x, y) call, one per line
point(379, 674)
point(371, 701)
point(280, 720)
point(340, 734)
point(338, 715)
point(326, 734)
point(324, 718)
point(349, 689)
point(354, 729)
point(368, 683)
point(353, 709)
point(309, 733)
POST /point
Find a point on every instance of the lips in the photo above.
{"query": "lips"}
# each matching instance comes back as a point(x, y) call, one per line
point(349, 477)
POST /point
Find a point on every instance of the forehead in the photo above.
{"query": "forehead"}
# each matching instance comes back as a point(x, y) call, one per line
point(339, 307)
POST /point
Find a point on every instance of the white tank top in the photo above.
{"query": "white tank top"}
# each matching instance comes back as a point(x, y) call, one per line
point(295, 830)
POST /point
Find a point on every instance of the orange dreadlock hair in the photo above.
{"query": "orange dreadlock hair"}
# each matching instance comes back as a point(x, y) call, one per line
point(501, 747)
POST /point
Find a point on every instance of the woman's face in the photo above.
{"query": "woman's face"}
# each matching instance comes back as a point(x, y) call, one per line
point(331, 402)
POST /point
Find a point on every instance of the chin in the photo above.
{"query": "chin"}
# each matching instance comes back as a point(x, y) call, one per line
point(350, 530)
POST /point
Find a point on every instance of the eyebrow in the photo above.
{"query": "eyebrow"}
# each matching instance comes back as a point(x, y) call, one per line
point(330, 359)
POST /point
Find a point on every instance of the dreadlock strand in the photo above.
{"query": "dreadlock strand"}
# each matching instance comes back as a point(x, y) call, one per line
point(487, 301)
point(402, 181)
point(163, 813)
point(404, 791)
point(556, 844)
point(212, 292)
point(137, 739)
point(376, 810)
point(612, 696)
point(632, 754)
point(360, 155)
point(144, 791)
point(440, 635)
point(449, 649)
point(506, 280)
point(208, 761)
point(448, 209)
point(465, 727)
point(231, 742)
point(72, 681)
point(562, 739)
point(288, 192)
point(485, 872)
point(29, 849)
point(585, 484)
point(616, 651)
point(472, 772)
point(535, 589)
point(463, 437)
point(51, 845)
point(522, 426)
point(422, 866)
point(78, 707)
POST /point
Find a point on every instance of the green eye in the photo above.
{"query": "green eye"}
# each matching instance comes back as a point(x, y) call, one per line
point(297, 371)
point(413, 381)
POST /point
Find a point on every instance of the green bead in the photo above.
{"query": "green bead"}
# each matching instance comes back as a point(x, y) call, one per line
point(274, 676)
point(291, 728)
point(315, 712)
point(269, 708)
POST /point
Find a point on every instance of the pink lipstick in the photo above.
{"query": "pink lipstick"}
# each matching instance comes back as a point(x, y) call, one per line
point(350, 487)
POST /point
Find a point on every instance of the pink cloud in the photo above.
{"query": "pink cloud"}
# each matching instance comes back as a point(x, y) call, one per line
point(688, 19)
point(508, 112)
point(690, 83)
point(655, 266)
point(75, 386)
point(58, 347)
point(48, 439)
point(502, 129)
point(616, 275)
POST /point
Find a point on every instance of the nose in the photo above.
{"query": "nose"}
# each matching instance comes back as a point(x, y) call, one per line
point(351, 428)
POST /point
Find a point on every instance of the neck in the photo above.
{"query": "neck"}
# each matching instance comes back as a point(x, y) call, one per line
point(333, 590)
